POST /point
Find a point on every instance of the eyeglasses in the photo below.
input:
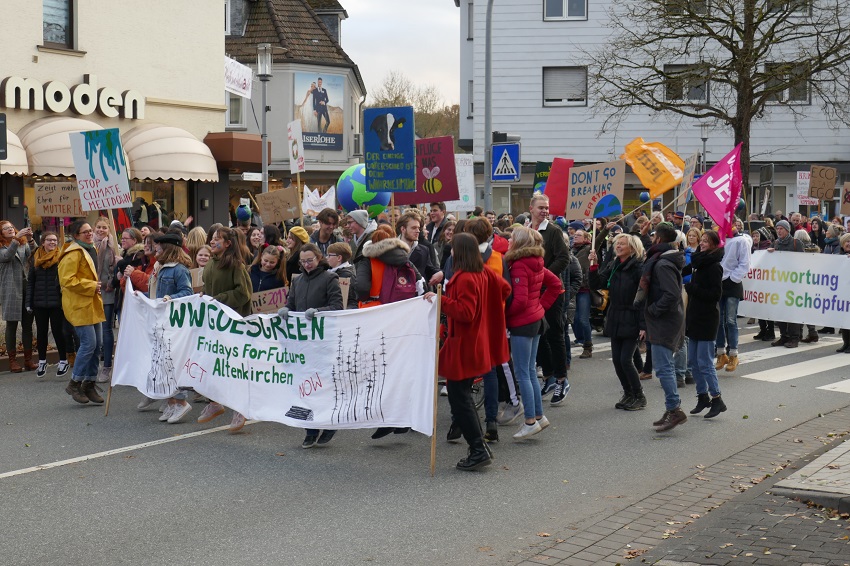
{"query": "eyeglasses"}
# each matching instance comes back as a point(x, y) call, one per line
point(307, 261)
point(89, 231)
point(333, 255)
point(51, 241)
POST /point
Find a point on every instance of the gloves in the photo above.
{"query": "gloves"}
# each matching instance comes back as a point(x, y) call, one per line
point(283, 313)
point(310, 313)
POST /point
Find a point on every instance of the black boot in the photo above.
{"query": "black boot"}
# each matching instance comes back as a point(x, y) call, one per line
point(492, 434)
point(703, 402)
point(454, 433)
point(624, 400)
point(717, 407)
point(478, 457)
point(826, 330)
point(845, 339)
point(637, 403)
point(382, 432)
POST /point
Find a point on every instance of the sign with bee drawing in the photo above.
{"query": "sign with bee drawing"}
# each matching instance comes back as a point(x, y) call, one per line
point(436, 177)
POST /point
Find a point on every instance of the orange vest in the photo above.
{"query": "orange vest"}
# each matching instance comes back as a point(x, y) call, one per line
point(375, 289)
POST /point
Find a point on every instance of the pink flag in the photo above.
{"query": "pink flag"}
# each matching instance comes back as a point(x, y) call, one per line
point(719, 191)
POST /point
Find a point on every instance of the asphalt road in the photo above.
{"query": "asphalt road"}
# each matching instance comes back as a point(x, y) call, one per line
point(258, 498)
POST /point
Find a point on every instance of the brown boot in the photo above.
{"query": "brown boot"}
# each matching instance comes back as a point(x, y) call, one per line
point(29, 365)
point(73, 389)
point(671, 419)
point(722, 360)
point(14, 366)
point(71, 357)
point(89, 390)
point(732, 365)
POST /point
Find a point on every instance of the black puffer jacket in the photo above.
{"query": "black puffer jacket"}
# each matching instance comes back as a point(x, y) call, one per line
point(704, 290)
point(43, 290)
point(624, 319)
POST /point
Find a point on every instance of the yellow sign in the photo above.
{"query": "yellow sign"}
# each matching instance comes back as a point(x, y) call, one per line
point(656, 165)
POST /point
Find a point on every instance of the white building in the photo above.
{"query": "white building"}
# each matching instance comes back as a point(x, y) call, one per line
point(539, 92)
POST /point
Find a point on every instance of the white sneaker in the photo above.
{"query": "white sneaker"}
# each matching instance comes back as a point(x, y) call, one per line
point(510, 413)
point(166, 414)
point(63, 368)
point(42, 368)
point(179, 412)
point(543, 422)
point(146, 403)
point(104, 375)
point(528, 430)
point(444, 392)
point(163, 406)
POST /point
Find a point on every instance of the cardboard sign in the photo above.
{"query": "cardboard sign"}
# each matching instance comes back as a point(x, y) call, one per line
point(58, 200)
point(465, 173)
point(822, 182)
point(197, 279)
point(101, 170)
point(803, 198)
point(296, 147)
point(269, 301)
point(596, 190)
point(436, 179)
point(344, 286)
point(279, 205)
point(845, 200)
point(390, 149)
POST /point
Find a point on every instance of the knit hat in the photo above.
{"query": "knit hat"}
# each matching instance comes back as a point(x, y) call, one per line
point(784, 224)
point(616, 229)
point(300, 233)
point(360, 216)
point(764, 234)
point(576, 225)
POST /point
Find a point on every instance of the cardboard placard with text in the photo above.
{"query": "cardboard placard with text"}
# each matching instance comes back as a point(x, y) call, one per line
point(279, 205)
point(822, 182)
point(58, 200)
point(269, 301)
point(596, 190)
point(845, 200)
point(101, 169)
point(344, 286)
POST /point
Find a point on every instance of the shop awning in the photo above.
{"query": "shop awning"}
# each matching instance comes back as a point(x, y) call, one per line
point(156, 151)
point(16, 158)
point(47, 145)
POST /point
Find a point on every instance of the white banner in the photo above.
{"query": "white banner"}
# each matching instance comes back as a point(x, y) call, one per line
point(296, 147)
point(465, 184)
point(312, 203)
point(238, 78)
point(342, 370)
point(798, 287)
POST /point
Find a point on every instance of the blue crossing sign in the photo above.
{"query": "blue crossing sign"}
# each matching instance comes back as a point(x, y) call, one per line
point(506, 163)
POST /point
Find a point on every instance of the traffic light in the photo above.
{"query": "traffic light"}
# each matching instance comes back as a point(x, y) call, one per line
point(504, 137)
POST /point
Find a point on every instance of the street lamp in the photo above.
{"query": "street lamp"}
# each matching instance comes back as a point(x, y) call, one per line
point(703, 134)
point(264, 73)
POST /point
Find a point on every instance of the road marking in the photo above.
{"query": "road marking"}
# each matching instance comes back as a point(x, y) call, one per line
point(597, 348)
point(839, 386)
point(777, 351)
point(96, 455)
point(802, 369)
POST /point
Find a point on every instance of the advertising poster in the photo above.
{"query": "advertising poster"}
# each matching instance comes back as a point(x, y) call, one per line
point(320, 105)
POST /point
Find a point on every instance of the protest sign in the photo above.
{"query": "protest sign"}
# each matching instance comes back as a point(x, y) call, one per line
point(596, 190)
point(797, 287)
point(557, 186)
point(541, 175)
point(197, 279)
point(656, 165)
point(436, 178)
point(279, 205)
point(296, 147)
point(100, 169)
point(58, 200)
point(465, 172)
point(688, 177)
point(312, 203)
point(269, 301)
point(340, 370)
point(845, 200)
point(390, 149)
point(719, 190)
point(822, 182)
point(344, 286)
point(803, 198)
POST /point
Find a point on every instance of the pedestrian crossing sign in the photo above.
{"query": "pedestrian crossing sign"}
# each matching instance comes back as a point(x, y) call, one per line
point(506, 163)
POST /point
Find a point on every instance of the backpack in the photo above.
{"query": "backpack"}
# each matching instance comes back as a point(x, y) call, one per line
point(398, 283)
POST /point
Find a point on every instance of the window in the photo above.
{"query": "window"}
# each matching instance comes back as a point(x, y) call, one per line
point(470, 96)
point(795, 7)
point(235, 111)
point(790, 81)
point(685, 82)
point(686, 7)
point(470, 20)
point(564, 86)
point(226, 17)
point(564, 9)
point(57, 23)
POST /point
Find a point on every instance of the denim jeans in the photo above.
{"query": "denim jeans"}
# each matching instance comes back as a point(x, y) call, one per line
point(727, 331)
point(524, 354)
point(662, 361)
point(701, 364)
point(581, 323)
point(108, 335)
point(88, 360)
point(680, 359)
point(491, 395)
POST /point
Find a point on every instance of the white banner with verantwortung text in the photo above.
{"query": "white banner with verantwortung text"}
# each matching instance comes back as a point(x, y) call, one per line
point(798, 287)
point(341, 370)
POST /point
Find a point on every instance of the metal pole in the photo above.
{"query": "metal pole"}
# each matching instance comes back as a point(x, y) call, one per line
point(488, 108)
point(263, 137)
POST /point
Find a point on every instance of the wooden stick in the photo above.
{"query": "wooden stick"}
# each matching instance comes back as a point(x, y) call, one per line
point(298, 195)
point(112, 231)
point(593, 238)
point(436, 384)
point(108, 399)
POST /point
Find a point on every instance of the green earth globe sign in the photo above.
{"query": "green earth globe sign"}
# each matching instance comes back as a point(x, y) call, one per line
point(352, 194)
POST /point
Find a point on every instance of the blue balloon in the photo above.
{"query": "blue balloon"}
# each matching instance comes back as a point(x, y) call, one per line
point(644, 196)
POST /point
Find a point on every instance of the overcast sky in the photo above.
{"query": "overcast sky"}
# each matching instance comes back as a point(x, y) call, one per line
point(416, 37)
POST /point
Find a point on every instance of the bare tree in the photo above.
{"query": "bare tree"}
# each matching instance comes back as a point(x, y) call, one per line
point(730, 62)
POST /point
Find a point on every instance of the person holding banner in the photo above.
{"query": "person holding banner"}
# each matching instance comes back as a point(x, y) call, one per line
point(475, 340)
point(315, 290)
point(227, 281)
point(16, 247)
point(338, 255)
point(83, 308)
point(789, 332)
point(269, 269)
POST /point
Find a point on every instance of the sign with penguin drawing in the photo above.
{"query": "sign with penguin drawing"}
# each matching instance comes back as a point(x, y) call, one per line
point(436, 177)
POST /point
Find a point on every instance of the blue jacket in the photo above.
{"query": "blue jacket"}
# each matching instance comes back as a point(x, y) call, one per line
point(174, 280)
point(262, 281)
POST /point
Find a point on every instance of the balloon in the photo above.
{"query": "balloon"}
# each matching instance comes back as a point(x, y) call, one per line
point(644, 196)
point(352, 194)
point(741, 204)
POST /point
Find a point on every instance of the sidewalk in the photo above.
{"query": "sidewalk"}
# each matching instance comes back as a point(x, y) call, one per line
point(826, 481)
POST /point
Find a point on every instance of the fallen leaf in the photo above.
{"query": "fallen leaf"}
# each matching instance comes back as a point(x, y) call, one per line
point(128, 456)
point(634, 553)
point(748, 554)
point(756, 480)
point(748, 416)
point(566, 481)
point(26, 445)
point(798, 440)
point(694, 516)
point(560, 540)
point(280, 454)
point(543, 534)
point(727, 545)
point(833, 466)
point(702, 478)
point(777, 420)
point(484, 549)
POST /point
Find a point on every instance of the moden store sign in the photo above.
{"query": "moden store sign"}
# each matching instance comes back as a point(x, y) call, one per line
point(83, 99)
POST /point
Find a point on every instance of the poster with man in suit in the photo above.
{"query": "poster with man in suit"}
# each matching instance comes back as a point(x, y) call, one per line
point(319, 104)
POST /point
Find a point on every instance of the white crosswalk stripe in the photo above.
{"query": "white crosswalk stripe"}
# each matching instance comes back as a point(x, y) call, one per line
point(802, 369)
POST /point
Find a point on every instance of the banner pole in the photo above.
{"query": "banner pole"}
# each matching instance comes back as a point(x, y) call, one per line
point(436, 384)
point(593, 238)
point(298, 195)
point(108, 399)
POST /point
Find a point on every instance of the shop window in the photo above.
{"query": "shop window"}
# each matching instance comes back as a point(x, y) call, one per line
point(564, 86)
point(470, 20)
point(58, 23)
point(686, 7)
point(235, 111)
point(564, 9)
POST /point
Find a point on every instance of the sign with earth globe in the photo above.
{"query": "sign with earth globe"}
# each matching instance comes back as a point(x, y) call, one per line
point(352, 194)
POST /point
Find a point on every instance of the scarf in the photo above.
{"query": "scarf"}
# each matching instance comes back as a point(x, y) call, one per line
point(90, 249)
point(653, 254)
point(44, 259)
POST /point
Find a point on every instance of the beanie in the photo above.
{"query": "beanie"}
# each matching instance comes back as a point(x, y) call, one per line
point(300, 233)
point(784, 224)
point(576, 225)
point(360, 216)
